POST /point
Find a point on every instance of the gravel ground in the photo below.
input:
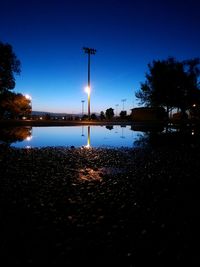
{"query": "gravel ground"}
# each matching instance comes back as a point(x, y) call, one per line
point(100, 207)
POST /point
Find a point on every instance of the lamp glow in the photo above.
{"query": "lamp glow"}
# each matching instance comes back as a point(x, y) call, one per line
point(87, 90)
point(28, 97)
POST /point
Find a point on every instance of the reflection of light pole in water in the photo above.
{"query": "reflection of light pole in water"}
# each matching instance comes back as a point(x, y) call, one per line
point(89, 51)
point(122, 136)
point(116, 129)
point(28, 138)
point(88, 138)
point(82, 131)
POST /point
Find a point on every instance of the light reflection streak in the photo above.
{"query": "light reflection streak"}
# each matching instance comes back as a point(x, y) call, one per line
point(89, 174)
point(88, 139)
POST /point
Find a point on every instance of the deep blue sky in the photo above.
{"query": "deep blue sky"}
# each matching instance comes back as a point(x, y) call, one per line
point(48, 36)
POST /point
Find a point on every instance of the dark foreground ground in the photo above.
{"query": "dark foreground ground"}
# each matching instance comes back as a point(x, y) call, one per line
point(100, 207)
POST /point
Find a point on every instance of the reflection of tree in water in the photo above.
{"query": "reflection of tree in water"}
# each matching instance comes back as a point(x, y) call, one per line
point(148, 127)
point(169, 137)
point(14, 134)
point(109, 127)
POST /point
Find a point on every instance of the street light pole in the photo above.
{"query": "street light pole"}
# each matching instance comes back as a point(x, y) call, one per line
point(82, 107)
point(123, 100)
point(117, 105)
point(89, 51)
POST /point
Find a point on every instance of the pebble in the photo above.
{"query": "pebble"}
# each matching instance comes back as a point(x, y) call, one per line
point(47, 207)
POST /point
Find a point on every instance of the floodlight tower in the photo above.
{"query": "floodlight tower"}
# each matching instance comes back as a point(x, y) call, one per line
point(89, 51)
point(117, 105)
point(123, 100)
point(83, 101)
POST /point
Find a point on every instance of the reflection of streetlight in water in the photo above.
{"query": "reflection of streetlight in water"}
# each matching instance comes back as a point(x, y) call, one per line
point(82, 131)
point(122, 136)
point(116, 129)
point(29, 138)
point(88, 139)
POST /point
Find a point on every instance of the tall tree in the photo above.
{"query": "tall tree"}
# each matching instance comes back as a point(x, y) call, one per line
point(123, 114)
point(102, 115)
point(14, 105)
point(171, 83)
point(9, 65)
point(109, 113)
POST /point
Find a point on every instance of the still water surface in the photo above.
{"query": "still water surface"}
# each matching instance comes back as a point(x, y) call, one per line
point(77, 136)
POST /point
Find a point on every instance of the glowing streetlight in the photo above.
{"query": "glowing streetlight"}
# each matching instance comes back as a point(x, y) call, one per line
point(89, 51)
point(29, 98)
point(87, 90)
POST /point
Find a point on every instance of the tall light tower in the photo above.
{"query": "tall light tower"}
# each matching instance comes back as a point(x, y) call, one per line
point(89, 51)
point(83, 101)
point(123, 100)
point(117, 105)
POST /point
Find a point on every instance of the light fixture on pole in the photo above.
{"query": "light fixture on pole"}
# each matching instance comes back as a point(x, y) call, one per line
point(89, 51)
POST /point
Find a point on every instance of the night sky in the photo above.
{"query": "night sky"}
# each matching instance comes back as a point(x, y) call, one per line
point(48, 36)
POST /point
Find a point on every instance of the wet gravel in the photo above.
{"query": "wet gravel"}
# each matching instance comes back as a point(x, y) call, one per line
point(100, 207)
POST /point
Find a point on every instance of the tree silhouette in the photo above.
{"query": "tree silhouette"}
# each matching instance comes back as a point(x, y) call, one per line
point(171, 83)
point(47, 116)
point(11, 104)
point(93, 116)
point(123, 114)
point(102, 115)
point(109, 113)
point(109, 127)
point(9, 65)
